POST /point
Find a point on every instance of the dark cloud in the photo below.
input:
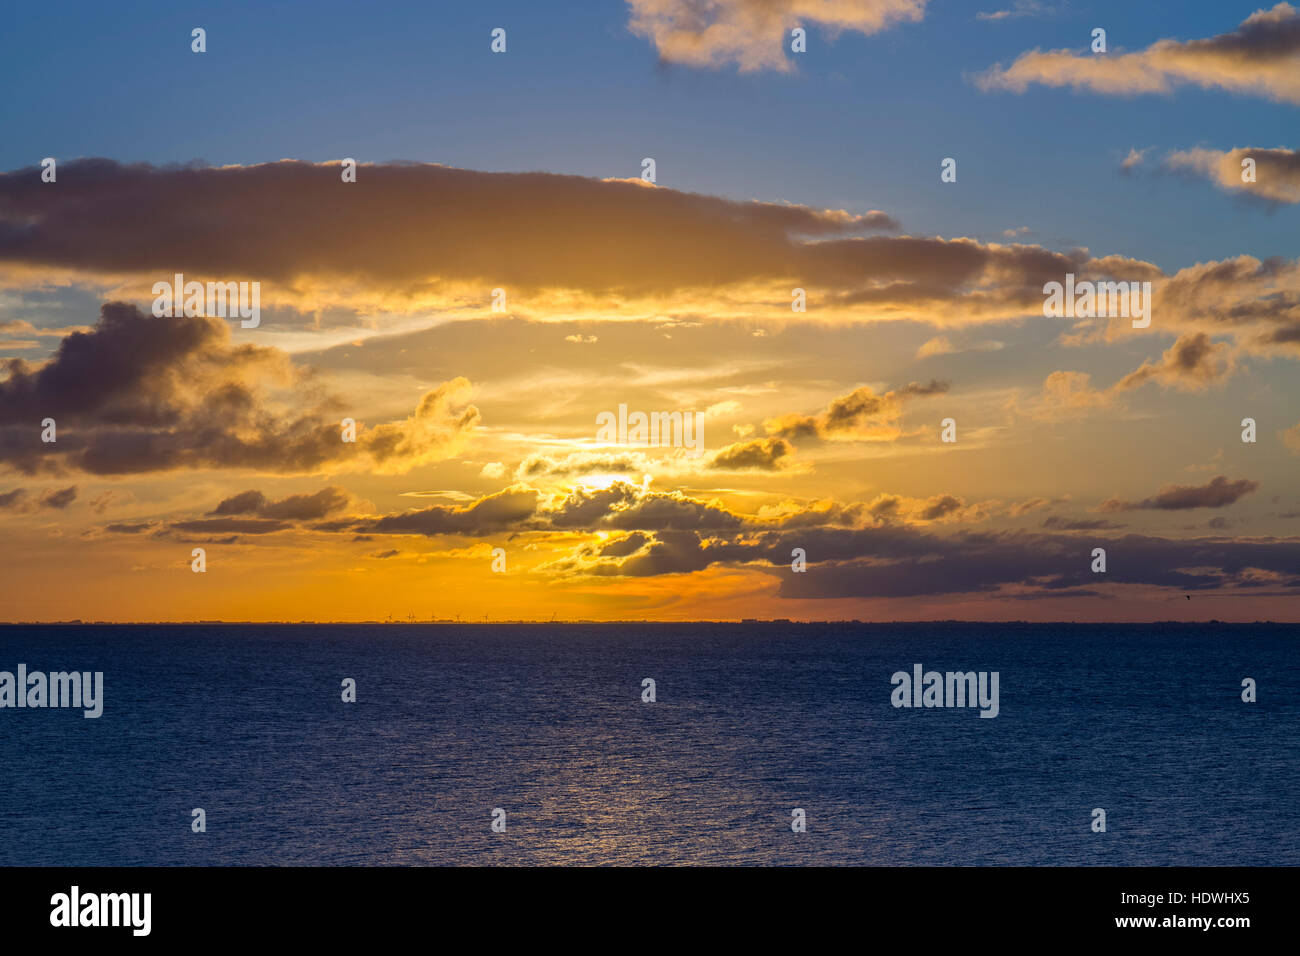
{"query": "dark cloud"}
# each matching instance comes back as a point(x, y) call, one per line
point(900, 560)
point(105, 500)
point(494, 513)
point(303, 507)
point(137, 527)
point(945, 505)
point(1061, 523)
point(978, 563)
point(230, 526)
point(622, 547)
point(583, 508)
point(888, 508)
point(1219, 493)
point(760, 454)
point(421, 234)
point(1051, 595)
point(242, 503)
point(405, 225)
point(23, 501)
point(669, 511)
point(853, 550)
point(139, 393)
point(903, 561)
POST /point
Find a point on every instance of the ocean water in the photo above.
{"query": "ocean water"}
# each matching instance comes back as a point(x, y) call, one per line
point(751, 721)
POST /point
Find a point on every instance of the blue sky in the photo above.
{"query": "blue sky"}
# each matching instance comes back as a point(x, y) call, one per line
point(863, 124)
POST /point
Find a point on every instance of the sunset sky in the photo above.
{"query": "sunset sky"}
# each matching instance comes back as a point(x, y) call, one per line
point(521, 171)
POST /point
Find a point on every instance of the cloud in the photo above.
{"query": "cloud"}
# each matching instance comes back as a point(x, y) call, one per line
point(1257, 301)
point(135, 527)
point(229, 526)
point(1018, 9)
point(433, 238)
point(884, 548)
point(30, 336)
point(139, 393)
point(905, 561)
point(759, 454)
point(105, 500)
point(947, 508)
point(664, 511)
point(625, 507)
point(752, 34)
point(1191, 364)
point(1277, 171)
point(487, 515)
point(942, 345)
point(1060, 523)
point(583, 463)
point(625, 545)
point(1028, 506)
point(1134, 159)
point(862, 415)
point(247, 513)
point(1219, 493)
point(1068, 394)
point(756, 455)
point(408, 236)
point(1260, 58)
point(910, 563)
point(20, 500)
point(303, 507)
point(1291, 438)
point(939, 345)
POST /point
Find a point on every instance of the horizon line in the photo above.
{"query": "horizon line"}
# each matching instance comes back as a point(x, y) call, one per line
point(77, 622)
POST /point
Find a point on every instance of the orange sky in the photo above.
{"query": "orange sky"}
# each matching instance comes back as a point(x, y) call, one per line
point(889, 426)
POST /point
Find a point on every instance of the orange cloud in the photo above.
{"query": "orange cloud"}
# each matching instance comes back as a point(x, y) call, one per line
point(1260, 58)
point(862, 415)
point(1276, 174)
point(754, 34)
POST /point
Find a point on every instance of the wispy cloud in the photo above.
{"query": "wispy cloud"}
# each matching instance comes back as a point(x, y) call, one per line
point(1260, 58)
point(1271, 174)
point(754, 34)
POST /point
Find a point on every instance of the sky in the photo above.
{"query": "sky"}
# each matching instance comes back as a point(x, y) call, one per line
point(505, 271)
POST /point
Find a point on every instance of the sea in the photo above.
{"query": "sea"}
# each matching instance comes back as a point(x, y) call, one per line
point(535, 744)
